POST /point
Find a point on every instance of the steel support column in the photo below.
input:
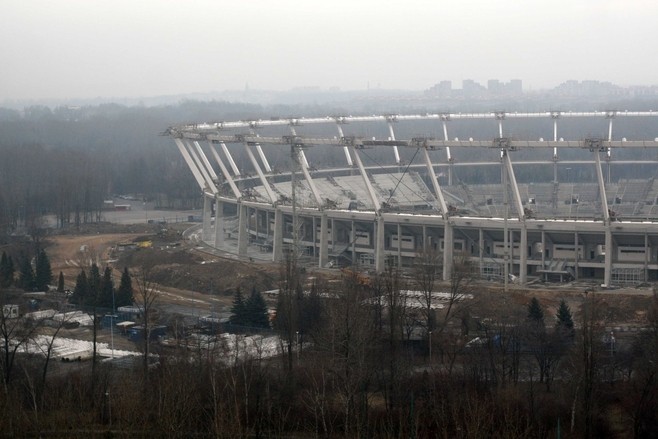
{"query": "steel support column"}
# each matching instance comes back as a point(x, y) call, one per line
point(353, 243)
point(606, 217)
point(207, 213)
point(543, 251)
point(324, 241)
point(243, 233)
point(523, 262)
point(576, 255)
point(518, 203)
point(379, 245)
point(399, 246)
point(277, 236)
point(607, 275)
point(647, 255)
point(448, 247)
point(219, 223)
point(481, 245)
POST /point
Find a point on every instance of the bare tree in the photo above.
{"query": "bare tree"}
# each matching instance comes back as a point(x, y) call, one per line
point(15, 332)
point(460, 287)
point(426, 272)
point(349, 341)
point(289, 305)
point(146, 296)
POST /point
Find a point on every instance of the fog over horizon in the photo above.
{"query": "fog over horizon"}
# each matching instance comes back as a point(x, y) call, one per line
point(79, 49)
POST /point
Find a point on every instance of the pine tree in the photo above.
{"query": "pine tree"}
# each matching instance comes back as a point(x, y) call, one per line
point(43, 274)
point(94, 280)
point(256, 310)
point(6, 271)
point(106, 295)
point(26, 275)
point(124, 295)
point(10, 271)
point(238, 310)
point(60, 283)
point(564, 319)
point(81, 289)
point(535, 312)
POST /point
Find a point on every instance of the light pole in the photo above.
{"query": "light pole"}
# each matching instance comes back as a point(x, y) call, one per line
point(112, 323)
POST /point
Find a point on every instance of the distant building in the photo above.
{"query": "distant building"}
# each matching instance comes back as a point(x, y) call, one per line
point(499, 88)
point(515, 87)
point(574, 88)
point(471, 88)
point(441, 90)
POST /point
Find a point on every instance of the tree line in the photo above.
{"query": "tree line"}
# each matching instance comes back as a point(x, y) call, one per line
point(361, 360)
point(65, 161)
point(34, 274)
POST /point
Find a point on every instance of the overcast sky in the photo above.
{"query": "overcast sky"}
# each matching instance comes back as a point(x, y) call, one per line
point(117, 48)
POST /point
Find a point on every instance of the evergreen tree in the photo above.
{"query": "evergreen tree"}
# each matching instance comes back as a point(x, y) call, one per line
point(26, 274)
point(564, 319)
point(124, 295)
point(60, 283)
point(11, 270)
point(535, 312)
point(238, 310)
point(6, 271)
point(256, 310)
point(94, 280)
point(43, 274)
point(106, 296)
point(81, 289)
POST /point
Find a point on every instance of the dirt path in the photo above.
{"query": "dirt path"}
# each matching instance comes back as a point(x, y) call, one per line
point(69, 254)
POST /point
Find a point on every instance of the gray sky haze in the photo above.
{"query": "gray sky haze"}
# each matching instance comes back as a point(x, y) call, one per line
point(86, 48)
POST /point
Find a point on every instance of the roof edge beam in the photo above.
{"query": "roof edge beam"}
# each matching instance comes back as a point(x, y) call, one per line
point(366, 181)
point(438, 194)
point(599, 178)
point(190, 163)
point(231, 162)
point(225, 172)
point(259, 171)
point(205, 161)
point(512, 182)
point(301, 158)
point(210, 184)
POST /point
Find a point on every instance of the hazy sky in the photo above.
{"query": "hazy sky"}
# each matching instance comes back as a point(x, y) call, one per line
point(117, 48)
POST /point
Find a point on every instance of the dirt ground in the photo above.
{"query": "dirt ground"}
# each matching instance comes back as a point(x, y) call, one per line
point(193, 281)
point(189, 281)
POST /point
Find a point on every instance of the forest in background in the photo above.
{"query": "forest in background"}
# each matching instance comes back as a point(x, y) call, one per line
point(66, 160)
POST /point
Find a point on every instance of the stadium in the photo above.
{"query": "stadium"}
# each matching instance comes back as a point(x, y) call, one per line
point(521, 195)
